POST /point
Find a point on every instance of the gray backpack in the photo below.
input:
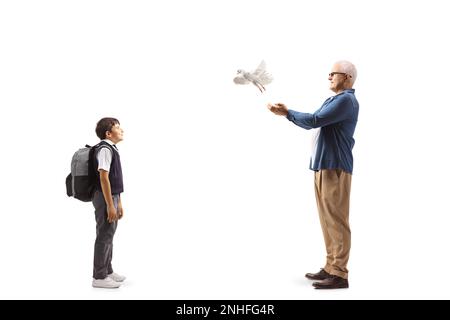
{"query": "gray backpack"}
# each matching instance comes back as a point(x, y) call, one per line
point(80, 183)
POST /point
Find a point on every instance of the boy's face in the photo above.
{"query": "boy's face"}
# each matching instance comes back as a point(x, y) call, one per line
point(116, 134)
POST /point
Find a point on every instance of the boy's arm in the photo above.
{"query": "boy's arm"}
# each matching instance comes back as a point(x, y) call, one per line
point(120, 211)
point(106, 190)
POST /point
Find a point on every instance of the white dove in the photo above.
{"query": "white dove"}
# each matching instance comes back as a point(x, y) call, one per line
point(259, 77)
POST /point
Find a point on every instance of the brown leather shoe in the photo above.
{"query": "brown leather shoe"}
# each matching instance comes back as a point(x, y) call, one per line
point(321, 275)
point(333, 282)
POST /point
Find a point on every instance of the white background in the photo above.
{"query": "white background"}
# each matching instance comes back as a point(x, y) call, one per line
point(219, 201)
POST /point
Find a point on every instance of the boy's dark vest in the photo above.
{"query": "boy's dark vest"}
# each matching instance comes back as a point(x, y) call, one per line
point(115, 170)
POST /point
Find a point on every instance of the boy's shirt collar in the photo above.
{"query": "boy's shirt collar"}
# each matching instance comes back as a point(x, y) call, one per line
point(110, 142)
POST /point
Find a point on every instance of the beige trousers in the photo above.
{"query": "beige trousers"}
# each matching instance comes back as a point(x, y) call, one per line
point(332, 188)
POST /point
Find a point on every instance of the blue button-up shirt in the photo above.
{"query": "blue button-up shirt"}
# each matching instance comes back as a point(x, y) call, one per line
point(337, 119)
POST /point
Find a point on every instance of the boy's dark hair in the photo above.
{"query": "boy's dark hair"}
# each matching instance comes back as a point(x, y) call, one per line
point(104, 125)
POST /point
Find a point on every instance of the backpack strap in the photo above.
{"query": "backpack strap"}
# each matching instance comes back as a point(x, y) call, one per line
point(93, 154)
point(102, 145)
point(93, 173)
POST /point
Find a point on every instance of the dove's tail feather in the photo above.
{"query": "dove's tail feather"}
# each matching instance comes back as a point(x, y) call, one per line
point(265, 78)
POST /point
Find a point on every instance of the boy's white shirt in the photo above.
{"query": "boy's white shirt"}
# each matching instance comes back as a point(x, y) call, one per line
point(104, 157)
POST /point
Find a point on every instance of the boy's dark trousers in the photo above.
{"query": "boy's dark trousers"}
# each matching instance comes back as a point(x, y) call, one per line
point(103, 249)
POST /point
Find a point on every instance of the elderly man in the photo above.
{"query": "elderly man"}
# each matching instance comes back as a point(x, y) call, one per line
point(332, 162)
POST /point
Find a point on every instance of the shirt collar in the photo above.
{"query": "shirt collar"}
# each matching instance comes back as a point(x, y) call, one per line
point(110, 143)
point(345, 91)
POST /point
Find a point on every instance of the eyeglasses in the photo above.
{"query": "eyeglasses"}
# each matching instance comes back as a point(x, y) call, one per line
point(333, 73)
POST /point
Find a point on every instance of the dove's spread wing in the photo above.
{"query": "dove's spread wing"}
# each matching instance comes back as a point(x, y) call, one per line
point(261, 75)
point(261, 68)
point(240, 80)
point(265, 78)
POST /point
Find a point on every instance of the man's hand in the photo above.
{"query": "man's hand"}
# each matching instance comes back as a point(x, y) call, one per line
point(120, 210)
point(278, 108)
point(112, 214)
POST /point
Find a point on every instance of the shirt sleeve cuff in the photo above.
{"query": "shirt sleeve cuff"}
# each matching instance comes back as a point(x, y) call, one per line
point(290, 115)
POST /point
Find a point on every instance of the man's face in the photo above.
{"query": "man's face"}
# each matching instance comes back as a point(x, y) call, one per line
point(116, 133)
point(337, 79)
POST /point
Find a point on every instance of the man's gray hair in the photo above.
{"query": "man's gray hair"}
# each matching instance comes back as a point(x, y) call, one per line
point(349, 68)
